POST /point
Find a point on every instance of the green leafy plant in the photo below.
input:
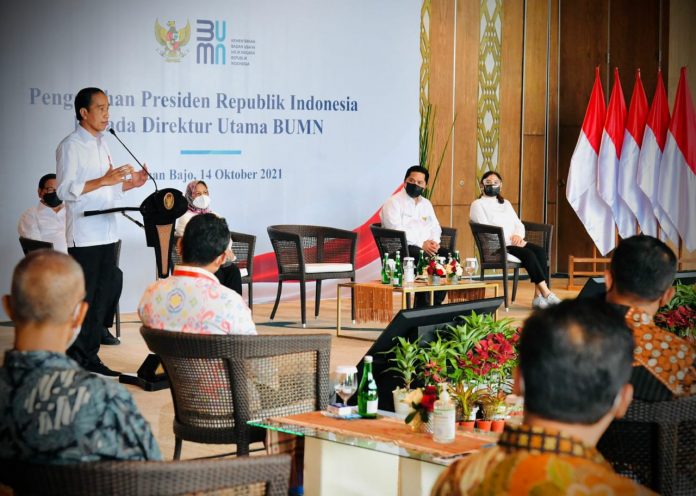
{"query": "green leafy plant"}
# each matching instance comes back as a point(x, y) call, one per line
point(426, 139)
point(406, 360)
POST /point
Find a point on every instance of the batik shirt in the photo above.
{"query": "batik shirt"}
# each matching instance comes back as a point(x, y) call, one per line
point(531, 460)
point(663, 363)
point(193, 300)
point(53, 411)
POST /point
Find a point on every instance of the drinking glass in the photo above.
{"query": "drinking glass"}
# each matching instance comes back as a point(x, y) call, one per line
point(346, 382)
point(470, 266)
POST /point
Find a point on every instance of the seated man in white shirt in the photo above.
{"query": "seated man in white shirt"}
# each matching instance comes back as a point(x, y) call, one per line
point(192, 299)
point(45, 221)
point(410, 212)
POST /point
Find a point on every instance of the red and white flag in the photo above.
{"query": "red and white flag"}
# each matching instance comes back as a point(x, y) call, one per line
point(676, 192)
point(650, 157)
point(608, 161)
point(581, 189)
point(628, 188)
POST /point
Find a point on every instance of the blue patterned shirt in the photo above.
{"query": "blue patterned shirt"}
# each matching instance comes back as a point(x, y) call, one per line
point(53, 411)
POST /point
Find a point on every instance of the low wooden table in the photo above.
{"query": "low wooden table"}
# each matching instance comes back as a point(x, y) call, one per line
point(382, 456)
point(411, 289)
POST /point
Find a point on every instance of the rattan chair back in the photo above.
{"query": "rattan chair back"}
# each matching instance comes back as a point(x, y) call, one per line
point(220, 382)
point(655, 444)
point(258, 475)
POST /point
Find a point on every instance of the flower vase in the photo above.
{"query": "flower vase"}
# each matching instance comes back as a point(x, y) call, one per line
point(467, 425)
point(483, 425)
point(417, 425)
point(453, 279)
point(401, 409)
point(497, 425)
point(435, 280)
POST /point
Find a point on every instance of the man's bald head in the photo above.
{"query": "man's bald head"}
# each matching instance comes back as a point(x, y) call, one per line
point(46, 286)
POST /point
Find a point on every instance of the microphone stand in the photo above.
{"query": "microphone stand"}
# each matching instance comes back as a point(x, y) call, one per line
point(111, 130)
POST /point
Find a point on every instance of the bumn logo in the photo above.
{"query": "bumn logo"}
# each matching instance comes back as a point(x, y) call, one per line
point(172, 40)
point(211, 36)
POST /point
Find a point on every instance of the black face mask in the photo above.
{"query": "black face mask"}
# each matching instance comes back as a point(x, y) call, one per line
point(490, 190)
point(52, 200)
point(413, 190)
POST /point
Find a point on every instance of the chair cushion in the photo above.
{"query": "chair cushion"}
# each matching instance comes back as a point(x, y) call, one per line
point(244, 272)
point(320, 268)
point(513, 258)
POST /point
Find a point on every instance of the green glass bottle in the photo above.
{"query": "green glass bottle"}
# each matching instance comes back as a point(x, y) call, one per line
point(456, 256)
point(386, 276)
point(398, 274)
point(367, 391)
point(421, 263)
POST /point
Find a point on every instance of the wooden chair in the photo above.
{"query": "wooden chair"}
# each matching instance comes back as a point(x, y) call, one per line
point(311, 253)
point(540, 235)
point(655, 444)
point(219, 382)
point(243, 246)
point(490, 242)
point(264, 475)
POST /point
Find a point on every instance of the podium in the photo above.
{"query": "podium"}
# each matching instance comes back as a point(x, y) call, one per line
point(160, 211)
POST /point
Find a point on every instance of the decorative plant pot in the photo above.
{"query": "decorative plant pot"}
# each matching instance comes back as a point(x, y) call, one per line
point(497, 425)
point(417, 425)
point(483, 425)
point(400, 408)
point(435, 280)
point(467, 425)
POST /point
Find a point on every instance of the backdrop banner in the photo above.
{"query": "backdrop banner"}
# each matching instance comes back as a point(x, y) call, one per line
point(301, 112)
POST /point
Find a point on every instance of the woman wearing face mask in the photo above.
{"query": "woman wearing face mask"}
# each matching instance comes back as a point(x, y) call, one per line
point(199, 203)
point(492, 209)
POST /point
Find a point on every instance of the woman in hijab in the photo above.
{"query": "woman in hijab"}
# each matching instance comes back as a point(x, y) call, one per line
point(199, 203)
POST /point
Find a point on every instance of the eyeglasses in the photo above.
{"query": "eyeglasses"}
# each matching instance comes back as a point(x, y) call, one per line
point(492, 183)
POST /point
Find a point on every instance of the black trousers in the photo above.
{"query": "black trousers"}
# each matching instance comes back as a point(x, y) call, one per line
point(534, 261)
point(99, 266)
point(230, 277)
point(423, 299)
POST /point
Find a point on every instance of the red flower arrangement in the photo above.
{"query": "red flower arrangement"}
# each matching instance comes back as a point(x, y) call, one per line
point(493, 352)
point(436, 269)
point(422, 402)
point(677, 320)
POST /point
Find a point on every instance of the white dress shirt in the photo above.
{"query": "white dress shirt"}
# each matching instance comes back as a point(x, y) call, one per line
point(42, 223)
point(416, 218)
point(81, 157)
point(487, 210)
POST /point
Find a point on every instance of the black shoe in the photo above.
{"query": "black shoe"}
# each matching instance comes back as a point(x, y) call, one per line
point(99, 368)
point(109, 339)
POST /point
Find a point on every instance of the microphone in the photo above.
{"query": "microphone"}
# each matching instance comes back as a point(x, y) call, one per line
point(111, 130)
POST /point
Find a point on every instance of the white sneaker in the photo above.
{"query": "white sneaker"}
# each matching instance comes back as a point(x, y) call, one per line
point(552, 299)
point(540, 302)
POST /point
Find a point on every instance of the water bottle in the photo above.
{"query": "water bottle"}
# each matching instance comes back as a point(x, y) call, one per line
point(398, 274)
point(386, 276)
point(367, 391)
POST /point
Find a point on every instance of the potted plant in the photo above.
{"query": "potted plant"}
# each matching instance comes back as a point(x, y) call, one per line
point(679, 315)
point(454, 271)
point(436, 271)
point(406, 359)
point(421, 402)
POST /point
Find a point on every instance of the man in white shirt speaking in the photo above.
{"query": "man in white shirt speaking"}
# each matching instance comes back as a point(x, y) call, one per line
point(87, 180)
point(408, 211)
point(45, 221)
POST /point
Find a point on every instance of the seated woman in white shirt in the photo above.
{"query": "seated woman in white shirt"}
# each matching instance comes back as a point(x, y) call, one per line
point(492, 209)
point(198, 200)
